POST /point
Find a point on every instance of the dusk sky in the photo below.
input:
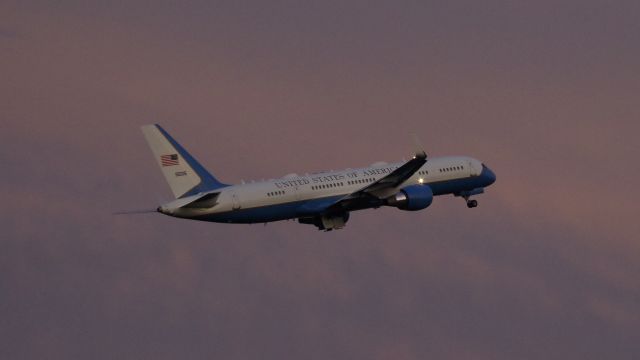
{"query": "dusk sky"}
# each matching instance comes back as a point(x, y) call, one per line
point(546, 93)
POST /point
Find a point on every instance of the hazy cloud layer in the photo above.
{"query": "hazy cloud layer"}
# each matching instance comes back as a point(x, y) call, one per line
point(545, 93)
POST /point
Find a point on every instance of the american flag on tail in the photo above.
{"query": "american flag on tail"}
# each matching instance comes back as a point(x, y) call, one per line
point(169, 160)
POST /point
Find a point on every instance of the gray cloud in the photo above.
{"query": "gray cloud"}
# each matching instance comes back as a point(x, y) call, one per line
point(544, 268)
point(8, 33)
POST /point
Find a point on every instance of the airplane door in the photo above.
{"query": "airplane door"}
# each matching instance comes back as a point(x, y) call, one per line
point(235, 201)
point(473, 170)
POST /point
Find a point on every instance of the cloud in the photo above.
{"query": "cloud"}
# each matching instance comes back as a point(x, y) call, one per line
point(544, 268)
point(8, 33)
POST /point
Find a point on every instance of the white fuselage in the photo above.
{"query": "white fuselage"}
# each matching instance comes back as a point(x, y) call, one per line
point(294, 188)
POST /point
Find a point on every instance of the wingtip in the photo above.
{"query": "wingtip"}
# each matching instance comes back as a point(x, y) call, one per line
point(418, 148)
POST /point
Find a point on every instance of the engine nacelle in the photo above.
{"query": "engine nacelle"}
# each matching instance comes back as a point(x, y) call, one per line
point(412, 198)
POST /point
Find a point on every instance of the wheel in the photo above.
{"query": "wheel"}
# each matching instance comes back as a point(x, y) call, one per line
point(472, 203)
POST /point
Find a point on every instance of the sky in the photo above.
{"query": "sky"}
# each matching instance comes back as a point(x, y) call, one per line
point(545, 93)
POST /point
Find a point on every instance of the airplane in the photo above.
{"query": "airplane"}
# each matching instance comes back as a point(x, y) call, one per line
point(323, 199)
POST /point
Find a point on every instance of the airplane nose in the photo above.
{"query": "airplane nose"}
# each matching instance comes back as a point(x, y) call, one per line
point(487, 175)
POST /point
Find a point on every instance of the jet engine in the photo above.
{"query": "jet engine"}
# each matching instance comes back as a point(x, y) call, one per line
point(412, 198)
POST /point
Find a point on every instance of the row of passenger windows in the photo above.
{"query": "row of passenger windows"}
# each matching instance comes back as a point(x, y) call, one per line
point(454, 168)
point(360, 181)
point(327, 186)
point(350, 182)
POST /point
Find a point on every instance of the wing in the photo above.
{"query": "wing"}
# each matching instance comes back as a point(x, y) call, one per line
point(368, 195)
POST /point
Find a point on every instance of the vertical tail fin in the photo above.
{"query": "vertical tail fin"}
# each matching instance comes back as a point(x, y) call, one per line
point(183, 172)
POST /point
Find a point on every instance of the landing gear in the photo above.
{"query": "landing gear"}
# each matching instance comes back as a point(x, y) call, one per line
point(470, 203)
point(327, 223)
point(467, 194)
